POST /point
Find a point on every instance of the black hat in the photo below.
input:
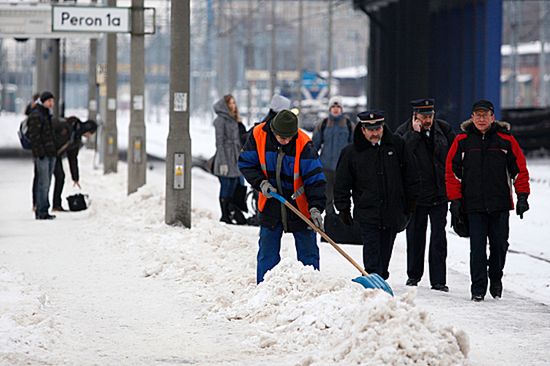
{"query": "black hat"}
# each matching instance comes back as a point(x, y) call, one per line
point(372, 120)
point(484, 105)
point(45, 96)
point(423, 106)
point(285, 124)
point(88, 126)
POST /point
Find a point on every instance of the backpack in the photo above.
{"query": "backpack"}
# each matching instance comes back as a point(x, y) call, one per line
point(348, 123)
point(23, 134)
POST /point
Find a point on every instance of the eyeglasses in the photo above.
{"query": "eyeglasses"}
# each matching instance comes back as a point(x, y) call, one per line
point(480, 115)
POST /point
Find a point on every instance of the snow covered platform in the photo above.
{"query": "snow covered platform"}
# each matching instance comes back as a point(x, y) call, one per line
point(114, 285)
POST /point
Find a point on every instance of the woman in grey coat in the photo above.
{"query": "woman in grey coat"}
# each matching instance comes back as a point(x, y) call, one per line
point(228, 128)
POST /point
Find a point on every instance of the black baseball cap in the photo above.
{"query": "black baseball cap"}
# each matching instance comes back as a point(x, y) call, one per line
point(483, 104)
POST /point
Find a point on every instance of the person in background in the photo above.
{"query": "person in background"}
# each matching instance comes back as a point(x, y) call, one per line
point(330, 136)
point(429, 139)
point(228, 147)
point(379, 174)
point(32, 104)
point(68, 140)
point(279, 157)
point(483, 161)
point(43, 151)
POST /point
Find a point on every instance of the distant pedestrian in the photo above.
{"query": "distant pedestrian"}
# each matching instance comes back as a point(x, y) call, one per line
point(481, 165)
point(277, 104)
point(279, 157)
point(379, 174)
point(429, 140)
point(228, 146)
point(68, 139)
point(43, 151)
point(330, 136)
point(32, 104)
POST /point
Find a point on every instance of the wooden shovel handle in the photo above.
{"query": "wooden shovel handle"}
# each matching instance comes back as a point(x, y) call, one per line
point(321, 232)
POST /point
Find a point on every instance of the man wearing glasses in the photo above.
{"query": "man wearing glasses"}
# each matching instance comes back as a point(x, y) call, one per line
point(429, 139)
point(482, 161)
point(378, 172)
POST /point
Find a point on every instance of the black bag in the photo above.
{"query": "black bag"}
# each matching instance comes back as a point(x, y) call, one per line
point(460, 225)
point(239, 197)
point(77, 202)
point(340, 232)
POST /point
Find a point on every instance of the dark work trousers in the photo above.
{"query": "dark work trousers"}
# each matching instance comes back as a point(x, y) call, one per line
point(495, 227)
point(59, 175)
point(416, 243)
point(329, 190)
point(377, 249)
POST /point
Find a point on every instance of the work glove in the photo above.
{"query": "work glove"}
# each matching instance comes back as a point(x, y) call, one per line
point(266, 187)
point(522, 205)
point(456, 207)
point(316, 217)
point(224, 169)
point(346, 218)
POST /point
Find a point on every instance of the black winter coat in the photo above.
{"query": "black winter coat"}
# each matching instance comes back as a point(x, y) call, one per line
point(480, 168)
point(382, 180)
point(41, 132)
point(430, 153)
point(68, 141)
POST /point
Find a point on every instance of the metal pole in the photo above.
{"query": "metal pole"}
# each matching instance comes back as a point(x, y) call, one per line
point(273, 51)
point(300, 52)
point(249, 64)
point(92, 86)
point(137, 156)
point(329, 56)
point(178, 144)
point(110, 135)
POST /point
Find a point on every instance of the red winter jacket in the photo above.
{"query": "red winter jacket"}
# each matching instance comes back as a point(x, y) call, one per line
point(481, 167)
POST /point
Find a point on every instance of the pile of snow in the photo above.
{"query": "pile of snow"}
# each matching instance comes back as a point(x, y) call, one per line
point(296, 310)
point(27, 331)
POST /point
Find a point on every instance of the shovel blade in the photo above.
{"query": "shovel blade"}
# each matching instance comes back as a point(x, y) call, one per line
point(374, 281)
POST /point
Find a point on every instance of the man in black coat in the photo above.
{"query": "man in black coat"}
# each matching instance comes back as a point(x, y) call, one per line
point(379, 173)
point(68, 141)
point(429, 139)
point(43, 151)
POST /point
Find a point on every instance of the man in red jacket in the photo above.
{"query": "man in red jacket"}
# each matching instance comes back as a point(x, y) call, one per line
point(481, 162)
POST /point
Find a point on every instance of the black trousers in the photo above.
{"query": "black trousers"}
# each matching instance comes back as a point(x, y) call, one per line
point(59, 175)
point(416, 243)
point(495, 227)
point(330, 175)
point(377, 249)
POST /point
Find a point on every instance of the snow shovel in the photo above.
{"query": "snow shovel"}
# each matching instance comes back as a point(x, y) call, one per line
point(372, 281)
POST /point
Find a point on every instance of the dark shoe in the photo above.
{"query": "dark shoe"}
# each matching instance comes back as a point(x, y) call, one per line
point(495, 289)
point(477, 298)
point(236, 214)
point(412, 282)
point(45, 217)
point(440, 287)
point(59, 209)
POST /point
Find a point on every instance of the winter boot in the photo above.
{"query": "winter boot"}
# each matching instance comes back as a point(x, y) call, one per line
point(236, 214)
point(224, 205)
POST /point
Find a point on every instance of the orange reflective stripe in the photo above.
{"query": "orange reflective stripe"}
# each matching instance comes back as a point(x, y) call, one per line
point(260, 137)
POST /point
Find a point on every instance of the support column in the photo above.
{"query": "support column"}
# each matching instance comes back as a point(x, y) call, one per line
point(110, 134)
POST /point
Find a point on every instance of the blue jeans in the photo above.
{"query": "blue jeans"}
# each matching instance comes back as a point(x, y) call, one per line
point(227, 186)
point(270, 246)
point(44, 170)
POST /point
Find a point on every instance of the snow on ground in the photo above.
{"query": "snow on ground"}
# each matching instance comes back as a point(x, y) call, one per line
point(115, 285)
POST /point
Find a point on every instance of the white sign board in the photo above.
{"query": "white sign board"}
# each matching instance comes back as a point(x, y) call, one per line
point(180, 102)
point(90, 19)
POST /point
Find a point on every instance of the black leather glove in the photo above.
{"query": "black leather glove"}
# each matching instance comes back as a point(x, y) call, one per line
point(522, 205)
point(346, 218)
point(456, 207)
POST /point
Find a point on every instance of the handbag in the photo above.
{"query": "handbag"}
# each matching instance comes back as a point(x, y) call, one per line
point(77, 202)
